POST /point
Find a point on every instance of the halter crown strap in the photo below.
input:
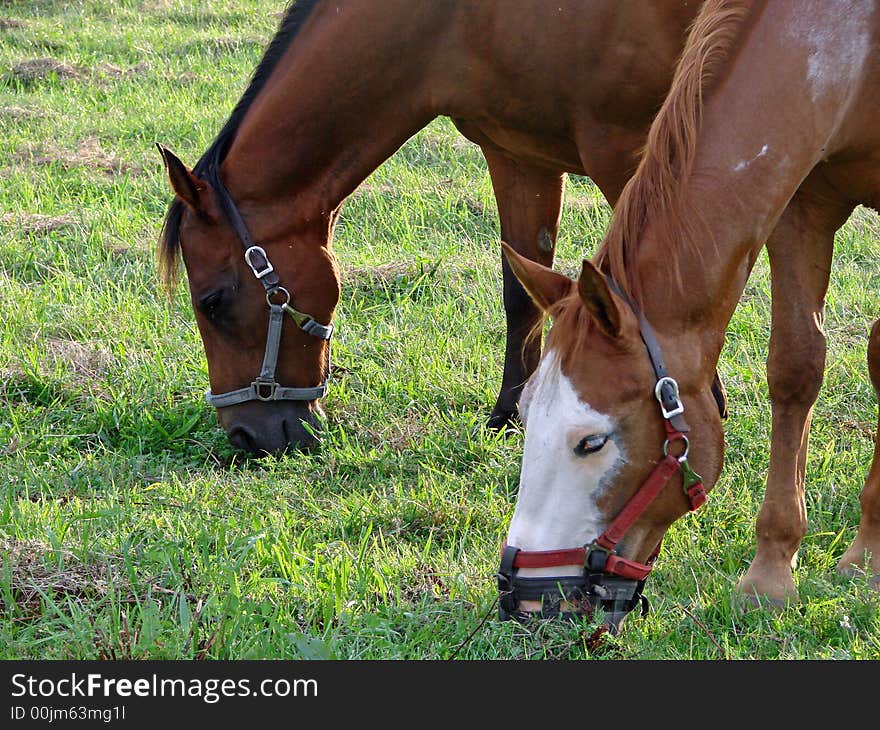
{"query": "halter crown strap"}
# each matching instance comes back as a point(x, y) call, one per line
point(666, 389)
point(231, 210)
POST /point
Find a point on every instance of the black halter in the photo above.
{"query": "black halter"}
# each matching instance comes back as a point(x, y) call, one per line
point(265, 388)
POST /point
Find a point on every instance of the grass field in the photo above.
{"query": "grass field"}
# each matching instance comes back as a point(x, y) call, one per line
point(129, 528)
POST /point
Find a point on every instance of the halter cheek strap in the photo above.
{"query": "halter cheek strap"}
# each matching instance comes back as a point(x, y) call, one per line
point(265, 387)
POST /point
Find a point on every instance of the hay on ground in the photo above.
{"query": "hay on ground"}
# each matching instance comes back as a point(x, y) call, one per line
point(37, 570)
point(36, 222)
point(37, 69)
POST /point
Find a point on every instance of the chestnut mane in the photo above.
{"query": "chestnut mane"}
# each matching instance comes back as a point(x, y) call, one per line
point(668, 155)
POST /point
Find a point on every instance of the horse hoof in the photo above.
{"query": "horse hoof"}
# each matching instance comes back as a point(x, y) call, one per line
point(854, 573)
point(751, 602)
point(505, 422)
point(782, 596)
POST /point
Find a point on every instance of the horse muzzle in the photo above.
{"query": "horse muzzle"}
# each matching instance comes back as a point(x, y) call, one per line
point(272, 428)
point(568, 596)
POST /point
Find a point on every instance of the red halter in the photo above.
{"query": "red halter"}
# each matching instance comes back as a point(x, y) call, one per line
point(640, 501)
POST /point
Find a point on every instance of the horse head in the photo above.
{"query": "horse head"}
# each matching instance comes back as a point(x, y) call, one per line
point(614, 449)
point(263, 310)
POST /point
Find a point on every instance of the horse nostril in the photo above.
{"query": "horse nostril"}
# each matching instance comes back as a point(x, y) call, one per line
point(298, 436)
point(241, 438)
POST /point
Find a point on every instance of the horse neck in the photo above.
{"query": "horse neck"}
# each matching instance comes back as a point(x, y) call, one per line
point(762, 130)
point(343, 97)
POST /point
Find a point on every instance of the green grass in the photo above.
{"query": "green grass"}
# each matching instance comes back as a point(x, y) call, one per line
point(132, 529)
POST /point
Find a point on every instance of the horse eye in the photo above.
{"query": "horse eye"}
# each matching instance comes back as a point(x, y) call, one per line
point(590, 444)
point(209, 302)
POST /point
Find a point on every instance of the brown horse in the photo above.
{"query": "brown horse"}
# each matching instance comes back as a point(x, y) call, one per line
point(769, 127)
point(543, 88)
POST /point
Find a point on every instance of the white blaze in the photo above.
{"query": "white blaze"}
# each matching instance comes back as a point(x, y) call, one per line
point(556, 505)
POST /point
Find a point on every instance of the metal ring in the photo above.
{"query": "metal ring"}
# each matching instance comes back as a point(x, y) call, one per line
point(687, 446)
point(276, 290)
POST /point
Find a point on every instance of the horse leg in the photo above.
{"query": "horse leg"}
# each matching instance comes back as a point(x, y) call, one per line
point(529, 205)
point(800, 251)
point(864, 553)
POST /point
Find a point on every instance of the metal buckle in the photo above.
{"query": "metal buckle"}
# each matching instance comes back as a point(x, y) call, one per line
point(259, 385)
point(658, 394)
point(592, 549)
point(258, 273)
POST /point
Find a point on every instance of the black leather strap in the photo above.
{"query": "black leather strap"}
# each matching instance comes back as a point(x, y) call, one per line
point(669, 397)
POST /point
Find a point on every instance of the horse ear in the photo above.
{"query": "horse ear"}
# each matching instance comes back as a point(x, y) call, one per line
point(545, 286)
point(184, 183)
point(597, 298)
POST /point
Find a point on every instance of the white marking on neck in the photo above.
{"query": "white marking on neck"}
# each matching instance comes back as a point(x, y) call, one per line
point(837, 35)
point(743, 164)
point(556, 506)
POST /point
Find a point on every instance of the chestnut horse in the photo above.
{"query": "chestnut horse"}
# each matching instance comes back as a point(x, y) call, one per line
point(543, 88)
point(770, 126)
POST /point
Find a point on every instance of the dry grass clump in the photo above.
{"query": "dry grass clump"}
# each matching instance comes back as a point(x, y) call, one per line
point(38, 570)
point(35, 222)
point(89, 153)
point(86, 362)
point(37, 69)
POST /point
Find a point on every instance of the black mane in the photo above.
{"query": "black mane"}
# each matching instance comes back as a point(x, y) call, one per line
point(294, 19)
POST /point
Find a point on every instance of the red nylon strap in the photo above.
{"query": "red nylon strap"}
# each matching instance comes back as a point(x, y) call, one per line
point(672, 433)
point(549, 558)
point(627, 568)
point(658, 479)
point(631, 569)
point(697, 496)
point(576, 556)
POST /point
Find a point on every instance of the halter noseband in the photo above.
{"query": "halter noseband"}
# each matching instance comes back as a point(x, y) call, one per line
point(608, 580)
point(265, 388)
